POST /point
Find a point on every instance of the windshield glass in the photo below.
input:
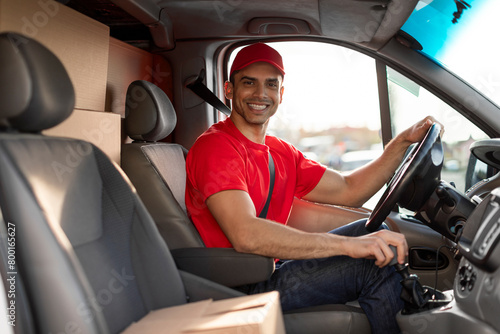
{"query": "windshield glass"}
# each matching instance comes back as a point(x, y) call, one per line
point(461, 35)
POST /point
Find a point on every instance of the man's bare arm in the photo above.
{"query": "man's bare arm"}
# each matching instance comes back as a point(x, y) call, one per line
point(355, 188)
point(235, 213)
point(314, 217)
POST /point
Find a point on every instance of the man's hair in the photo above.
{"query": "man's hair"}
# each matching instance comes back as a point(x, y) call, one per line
point(231, 77)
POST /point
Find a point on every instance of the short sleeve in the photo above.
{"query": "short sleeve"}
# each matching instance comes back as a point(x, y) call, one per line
point(308, 175)
point(215, 164)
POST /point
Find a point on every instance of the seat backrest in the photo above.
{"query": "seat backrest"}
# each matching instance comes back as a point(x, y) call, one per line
point(157, 169)
point(90, 255)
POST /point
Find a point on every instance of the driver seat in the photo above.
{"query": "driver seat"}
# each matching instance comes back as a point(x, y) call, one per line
point(158, 172)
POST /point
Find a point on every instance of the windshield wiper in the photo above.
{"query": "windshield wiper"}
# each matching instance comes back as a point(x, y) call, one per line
point(461, 6)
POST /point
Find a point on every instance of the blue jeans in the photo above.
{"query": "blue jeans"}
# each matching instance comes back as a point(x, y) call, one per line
point(338, 280)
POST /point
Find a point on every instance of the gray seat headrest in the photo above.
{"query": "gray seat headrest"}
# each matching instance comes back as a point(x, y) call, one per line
point(35, 89)
point(149, 114)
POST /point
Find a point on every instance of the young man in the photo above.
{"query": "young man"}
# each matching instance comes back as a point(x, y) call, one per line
point(227, 187)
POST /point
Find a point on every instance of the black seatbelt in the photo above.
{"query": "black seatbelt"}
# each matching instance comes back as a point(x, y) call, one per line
point(263, 213)
point(199, 88)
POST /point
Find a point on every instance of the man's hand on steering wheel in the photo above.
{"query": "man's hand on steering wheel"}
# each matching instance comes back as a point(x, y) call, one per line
point(417, 132)
point(421, 165)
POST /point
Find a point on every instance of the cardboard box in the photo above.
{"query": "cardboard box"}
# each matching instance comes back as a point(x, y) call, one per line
point(254, 314)
point(80, 42)
point(127, 64)
point(100, 128)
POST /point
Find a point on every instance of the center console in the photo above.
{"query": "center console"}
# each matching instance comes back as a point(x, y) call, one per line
point(475, 298)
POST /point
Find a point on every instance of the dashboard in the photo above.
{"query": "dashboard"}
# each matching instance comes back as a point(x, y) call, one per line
point(476, 289)
point(476, 286)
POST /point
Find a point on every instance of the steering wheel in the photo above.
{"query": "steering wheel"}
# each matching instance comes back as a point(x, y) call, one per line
point(415, 179)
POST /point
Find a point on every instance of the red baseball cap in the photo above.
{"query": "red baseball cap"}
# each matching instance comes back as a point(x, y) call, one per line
point(255, 53)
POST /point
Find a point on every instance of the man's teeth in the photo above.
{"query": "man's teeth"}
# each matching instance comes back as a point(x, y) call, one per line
point(257, 106)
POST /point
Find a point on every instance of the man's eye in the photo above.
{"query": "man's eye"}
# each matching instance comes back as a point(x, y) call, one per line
point(272, 84)
point(248, 82)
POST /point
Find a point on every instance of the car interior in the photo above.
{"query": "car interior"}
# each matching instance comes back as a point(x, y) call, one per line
point(99, 112)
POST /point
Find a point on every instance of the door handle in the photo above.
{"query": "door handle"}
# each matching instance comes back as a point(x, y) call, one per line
point(424, 258)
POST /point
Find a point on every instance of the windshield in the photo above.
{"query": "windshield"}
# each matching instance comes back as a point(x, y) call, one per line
point(461, 35)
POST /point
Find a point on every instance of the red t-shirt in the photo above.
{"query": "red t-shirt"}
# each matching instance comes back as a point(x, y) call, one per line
point(224, 159)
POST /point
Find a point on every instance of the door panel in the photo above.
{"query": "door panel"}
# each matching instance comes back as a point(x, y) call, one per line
point(421, 237)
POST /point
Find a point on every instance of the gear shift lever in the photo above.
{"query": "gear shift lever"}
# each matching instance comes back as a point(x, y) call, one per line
point(415, 296)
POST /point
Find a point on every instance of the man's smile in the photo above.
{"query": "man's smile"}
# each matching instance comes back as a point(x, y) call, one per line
point(257, 107)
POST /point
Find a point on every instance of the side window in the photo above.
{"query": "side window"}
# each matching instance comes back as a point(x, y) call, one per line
point(410, 102)
point(330, 109)
point(331, 112)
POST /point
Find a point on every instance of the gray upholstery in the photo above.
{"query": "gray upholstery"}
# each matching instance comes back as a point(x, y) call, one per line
point(169, 216)
point(34, 94)
point(169, 161)
point(87, 251)
point(327, 319)
point(121, 253)
point(157, 169)
point(142, 122)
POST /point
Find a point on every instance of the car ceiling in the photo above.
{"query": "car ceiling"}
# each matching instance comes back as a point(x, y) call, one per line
point(161, 23)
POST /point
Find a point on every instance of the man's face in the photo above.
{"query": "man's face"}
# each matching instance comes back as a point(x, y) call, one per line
point(256, 93)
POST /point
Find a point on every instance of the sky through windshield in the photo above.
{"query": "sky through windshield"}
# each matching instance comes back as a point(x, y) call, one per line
point(469, 47)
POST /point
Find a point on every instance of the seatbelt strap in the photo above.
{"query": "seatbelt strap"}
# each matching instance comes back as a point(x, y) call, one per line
point(263, 213)
point(199, 88)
